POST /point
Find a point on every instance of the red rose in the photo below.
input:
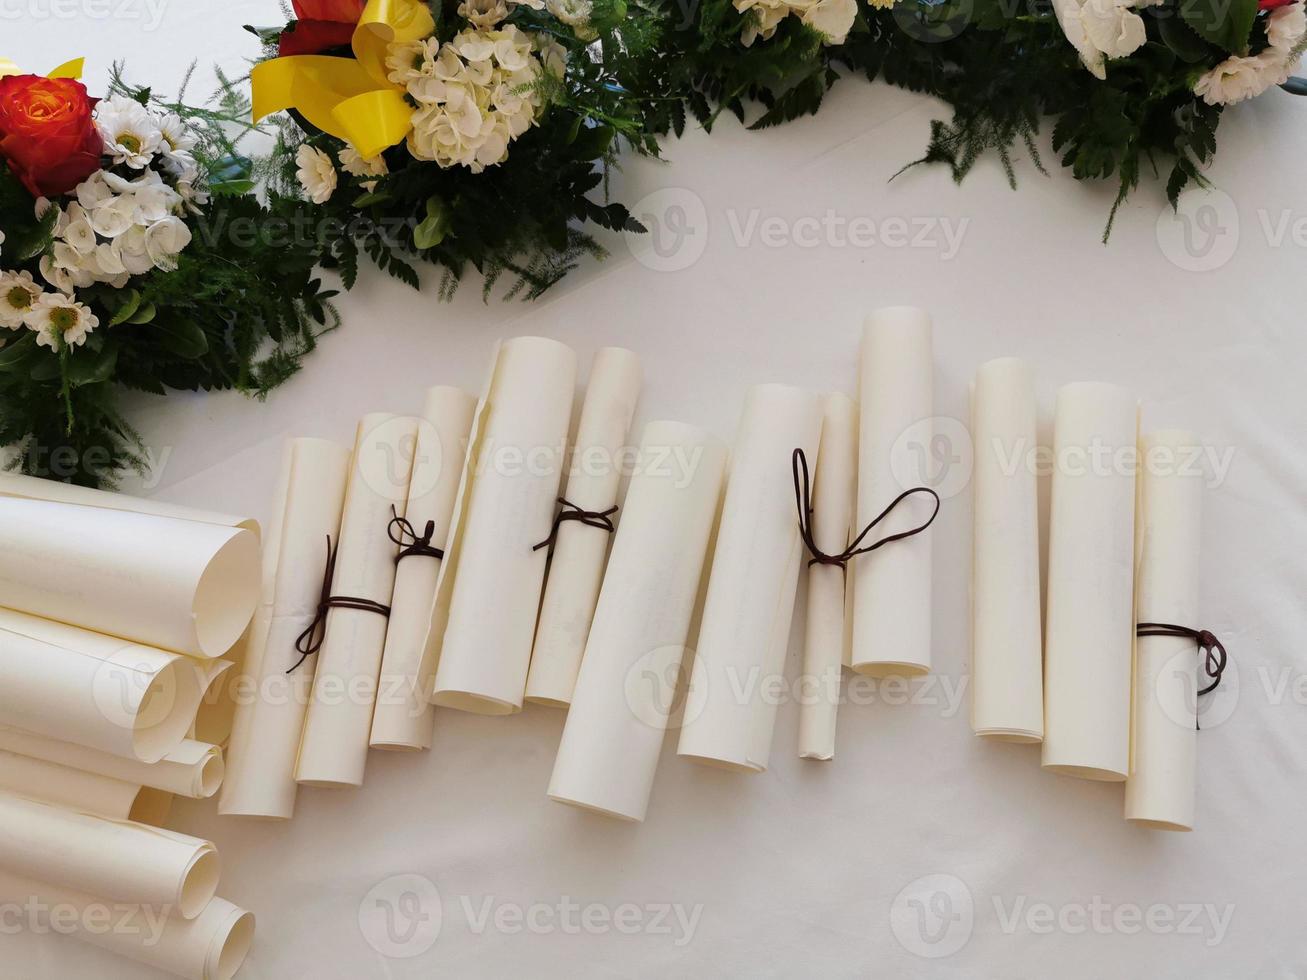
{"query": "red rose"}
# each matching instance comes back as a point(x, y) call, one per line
point(47, 135)
point(1272, 4)
point(322, 24)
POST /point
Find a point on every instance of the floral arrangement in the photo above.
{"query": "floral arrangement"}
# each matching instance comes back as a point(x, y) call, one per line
point(120, 268)
point(469, 134)
point(1131, 86)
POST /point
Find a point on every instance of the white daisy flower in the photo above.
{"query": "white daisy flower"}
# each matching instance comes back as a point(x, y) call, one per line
point(56, 317)
point(129, 130)
point(18, 295)
point(316, 173)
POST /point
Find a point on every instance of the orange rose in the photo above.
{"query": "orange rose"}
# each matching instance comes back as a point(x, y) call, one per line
point(47, 134)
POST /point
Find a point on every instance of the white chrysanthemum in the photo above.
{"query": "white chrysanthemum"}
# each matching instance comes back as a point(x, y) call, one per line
point(18, 296)
point(57, 317)
point(129, 130)
point(175, 143)
point(315, 172)
point(1285, 27)
point(475, 95)
point(357, 166)
point(1237, 78)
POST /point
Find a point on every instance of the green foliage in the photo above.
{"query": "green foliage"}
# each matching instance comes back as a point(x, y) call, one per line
point(521, 222)
point(239, 310)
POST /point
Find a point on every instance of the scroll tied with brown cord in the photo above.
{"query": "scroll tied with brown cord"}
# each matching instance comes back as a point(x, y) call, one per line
point(601, 519)
point(310, 641)
point(1213, 651)
point(803, 500)
point(401, 531)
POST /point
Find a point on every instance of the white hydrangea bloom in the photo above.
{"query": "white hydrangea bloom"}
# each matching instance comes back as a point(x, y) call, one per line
point(475, 95)
point(56, 316)
point(357, 166)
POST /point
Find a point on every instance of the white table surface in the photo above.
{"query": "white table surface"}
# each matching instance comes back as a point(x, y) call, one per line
point(797, 871)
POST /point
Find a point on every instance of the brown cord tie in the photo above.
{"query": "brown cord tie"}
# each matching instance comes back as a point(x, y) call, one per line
point(1214, 655)
point(602, 519)
point(401, 531)
point(310, 641)
point(803, 500)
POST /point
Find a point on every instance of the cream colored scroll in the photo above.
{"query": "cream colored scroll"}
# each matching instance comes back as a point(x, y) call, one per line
point(1090, 629)
point(217, 708)
point(892, 602)
point(576, 566)
point(94, 690)
point(210, 946)
point(193, 769)
point(1159, 792)
point(403, 719)
point(834, 493)
point(123, 861)
point(177, 585)
point(35, 779)
point(739, 665)
point(1007, 683)
point(627, 685)
point(484, 619)
point(273, 697)
point(334, 748)
point(34, 488)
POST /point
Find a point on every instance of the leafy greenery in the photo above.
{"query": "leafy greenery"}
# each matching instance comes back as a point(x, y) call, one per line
point(1005, 68)
point(240, 310)
point(520, 221)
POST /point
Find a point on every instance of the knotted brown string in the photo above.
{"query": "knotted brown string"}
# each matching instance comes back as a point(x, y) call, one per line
point(602, 519)
point(400, 530)
point(803, 500)
point(310, 641)
point(1214, 656)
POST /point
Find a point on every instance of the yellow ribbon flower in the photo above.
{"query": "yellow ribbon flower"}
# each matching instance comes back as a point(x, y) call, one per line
point(350, 98)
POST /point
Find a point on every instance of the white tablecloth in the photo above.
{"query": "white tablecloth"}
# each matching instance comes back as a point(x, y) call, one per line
point(920, 851)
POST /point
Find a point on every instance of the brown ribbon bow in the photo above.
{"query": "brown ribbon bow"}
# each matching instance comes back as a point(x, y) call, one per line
point(310, 641)
point(803, 500)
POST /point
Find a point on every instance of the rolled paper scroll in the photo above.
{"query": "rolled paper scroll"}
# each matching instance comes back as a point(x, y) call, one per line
point(731, 708)
point(217, 708)
point(1159, 792)
point(1090, 626)
point(72, 789)
point(127, 862)
point(93, 690)
point(892, 601)
point(34, 488)
point(334, 748)
point(484, 618)
point(177, 585)
point(1007, 685)
point(403, 719)
point(273, 697)
point(192, 769)
point(834, 495)
point(210, 946)
point(627, 684)
point(576, 566)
